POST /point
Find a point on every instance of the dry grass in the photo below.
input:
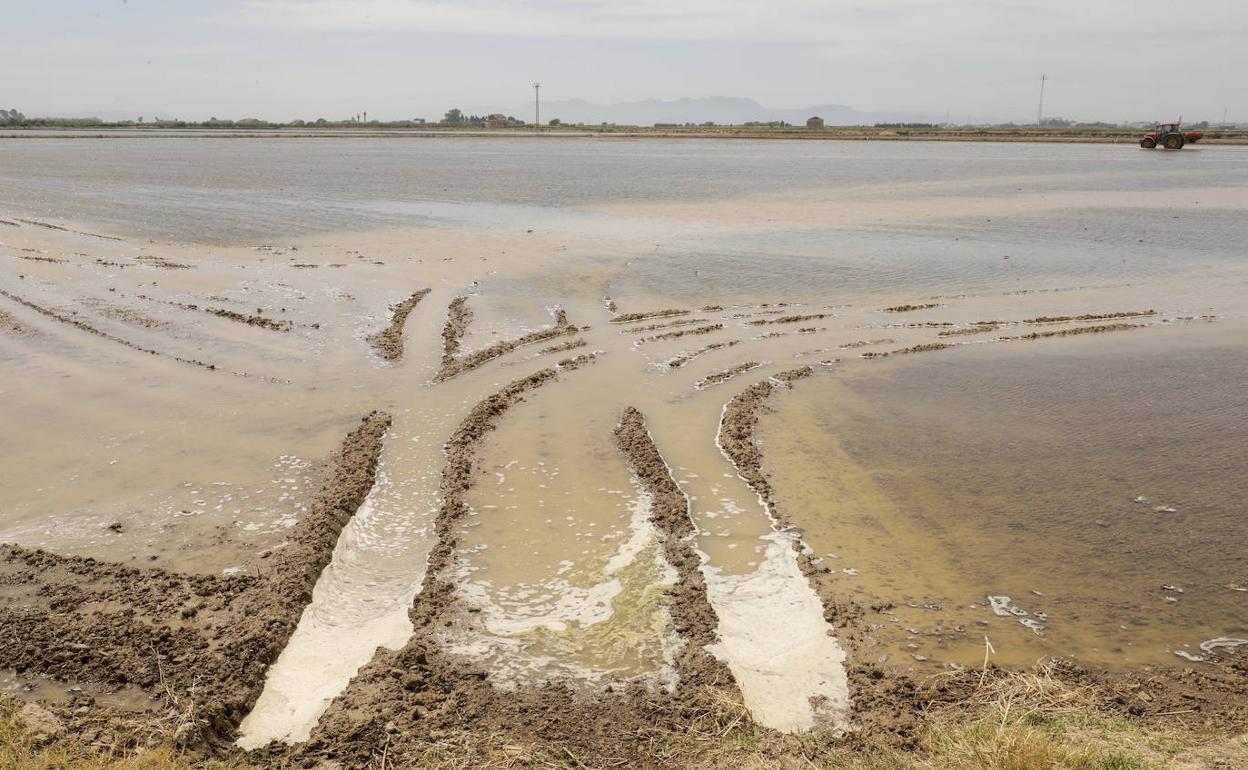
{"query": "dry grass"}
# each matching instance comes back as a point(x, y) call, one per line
point(1014, 721)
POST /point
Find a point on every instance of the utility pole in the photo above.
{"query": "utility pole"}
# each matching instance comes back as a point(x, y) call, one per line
point(537, 104)
point(1040, 108)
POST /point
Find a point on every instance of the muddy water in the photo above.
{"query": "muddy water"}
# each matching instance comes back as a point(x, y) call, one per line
point(930, 481)
point(1099, 486)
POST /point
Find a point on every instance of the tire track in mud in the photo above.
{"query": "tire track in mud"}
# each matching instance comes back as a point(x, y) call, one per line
point(692, 616)
point(457, 320)
point(421, 701)
point(200, 643)
point(388, 343)
point(83, 326)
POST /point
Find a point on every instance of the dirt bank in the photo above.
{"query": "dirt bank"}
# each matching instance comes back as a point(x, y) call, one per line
point(388, 343)
point(197, 645)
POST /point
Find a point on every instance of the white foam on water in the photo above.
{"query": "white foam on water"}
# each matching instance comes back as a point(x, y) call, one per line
point(772, 635)
point(360, 603)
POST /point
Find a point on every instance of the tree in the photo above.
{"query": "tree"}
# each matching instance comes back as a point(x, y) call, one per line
point(453, 117)
point(556, 122)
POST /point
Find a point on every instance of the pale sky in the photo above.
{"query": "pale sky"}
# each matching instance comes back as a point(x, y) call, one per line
point(285, 59)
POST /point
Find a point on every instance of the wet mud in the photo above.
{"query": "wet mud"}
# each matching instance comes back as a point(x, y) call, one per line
point(910, 308)
point(1102, 329)
point(198, 645)
point(723, 375)
point(682, 333)
point(789, 319)
point(1089, 317)
point(628, 318)
point(454, 365)
point(683, 359)
point(388, 343)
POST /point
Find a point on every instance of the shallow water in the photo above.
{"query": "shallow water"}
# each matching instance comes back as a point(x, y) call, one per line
point(931, 480)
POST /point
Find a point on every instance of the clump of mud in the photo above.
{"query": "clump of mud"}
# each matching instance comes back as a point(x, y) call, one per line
point(197, 644)
point(628, 318)
point(563, 347)
point(458, 316)
point(388, 343)
point(1054, 319)
point(909, 308)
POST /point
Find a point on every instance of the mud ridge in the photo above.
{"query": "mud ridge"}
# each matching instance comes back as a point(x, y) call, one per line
point(233, 315)
point(628, 318)
point(199, 645)
point(693, 617)
point(668, 325)
point(979, 328)
point(684, 358)
point(388, 343)
point(723, 375)
point(458, 316)
point(162, 262)
point(910, 308)
point(563, 347)
point(789, 319)
point(1056, 319)
point(1075, 331)
point(454, 365)
point(682, 333)
point(52, 260)
point(13, 326)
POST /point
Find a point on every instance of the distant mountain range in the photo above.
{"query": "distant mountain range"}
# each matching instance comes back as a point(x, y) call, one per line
point(716, 109)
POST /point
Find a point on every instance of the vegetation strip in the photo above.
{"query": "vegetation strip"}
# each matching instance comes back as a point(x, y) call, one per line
point(388, 343)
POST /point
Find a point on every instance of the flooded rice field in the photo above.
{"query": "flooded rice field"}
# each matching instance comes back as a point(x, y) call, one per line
point(467, 436)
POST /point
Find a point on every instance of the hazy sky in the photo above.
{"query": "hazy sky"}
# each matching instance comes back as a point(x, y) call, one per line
point(282, 59)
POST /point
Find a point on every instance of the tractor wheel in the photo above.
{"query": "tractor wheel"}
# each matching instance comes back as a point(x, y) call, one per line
point(1148, 143)
point(1174, 142)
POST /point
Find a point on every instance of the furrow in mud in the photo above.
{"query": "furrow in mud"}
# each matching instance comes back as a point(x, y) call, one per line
point(388, 343)
point(199, 643)
point(105, 335)
point(457, 365)
point(691, 612)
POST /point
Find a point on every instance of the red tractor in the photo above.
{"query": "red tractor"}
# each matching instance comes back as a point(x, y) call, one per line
point(1169, 136)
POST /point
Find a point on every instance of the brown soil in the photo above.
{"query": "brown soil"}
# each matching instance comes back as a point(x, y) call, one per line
point(454, 365)
point(388, 343)
point(788, 319)
point(1089, 317)
point(1077, 330)
point(628, 318)
point(691, 612)
point(684, 358)
point(909, 308)
point(724, 375)
point(682, 333)
point(198, 645)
